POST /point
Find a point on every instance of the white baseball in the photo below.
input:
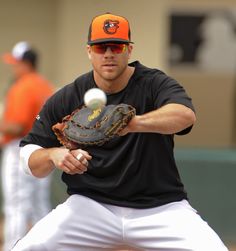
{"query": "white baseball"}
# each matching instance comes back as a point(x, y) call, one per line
point(95, 98)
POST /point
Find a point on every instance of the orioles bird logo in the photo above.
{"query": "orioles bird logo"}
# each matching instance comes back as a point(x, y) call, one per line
point(110, 26)
point(94, 114)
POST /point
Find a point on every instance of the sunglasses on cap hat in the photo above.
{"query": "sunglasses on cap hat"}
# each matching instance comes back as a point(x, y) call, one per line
point(115, 48)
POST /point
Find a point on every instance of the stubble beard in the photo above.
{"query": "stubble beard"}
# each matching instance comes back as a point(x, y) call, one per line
point(110, 76)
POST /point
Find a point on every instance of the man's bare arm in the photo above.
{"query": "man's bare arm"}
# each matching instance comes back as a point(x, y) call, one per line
point(42, 162)
point(169, 119)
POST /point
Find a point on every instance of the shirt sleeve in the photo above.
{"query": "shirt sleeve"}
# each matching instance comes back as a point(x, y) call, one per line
point(59, 105)
point(41, 133)
point(168, 91)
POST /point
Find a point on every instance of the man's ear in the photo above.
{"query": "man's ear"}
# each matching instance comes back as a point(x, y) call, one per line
point(130, 48)
point(89, 51)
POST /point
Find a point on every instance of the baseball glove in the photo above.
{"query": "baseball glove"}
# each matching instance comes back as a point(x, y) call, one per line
point(86, 127)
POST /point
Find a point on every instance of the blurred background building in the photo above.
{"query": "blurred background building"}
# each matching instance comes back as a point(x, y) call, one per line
point(193, 41)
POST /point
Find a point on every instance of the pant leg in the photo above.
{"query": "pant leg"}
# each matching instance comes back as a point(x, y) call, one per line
point(173, 227)
point(85, 225)
point(78, 224)
point(41, 201)
point(15, 222)
point(25, 198)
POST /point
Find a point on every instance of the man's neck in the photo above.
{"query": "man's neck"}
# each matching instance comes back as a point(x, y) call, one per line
point(115, 85)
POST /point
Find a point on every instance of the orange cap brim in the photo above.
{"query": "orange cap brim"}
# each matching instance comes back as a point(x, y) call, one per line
point(9, 59)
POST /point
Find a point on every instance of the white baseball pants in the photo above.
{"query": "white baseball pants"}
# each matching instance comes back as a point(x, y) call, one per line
point(26, 199)
point(82, 224)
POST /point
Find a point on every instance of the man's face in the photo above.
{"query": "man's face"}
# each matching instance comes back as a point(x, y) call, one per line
point(109, 60)
point(20, 68)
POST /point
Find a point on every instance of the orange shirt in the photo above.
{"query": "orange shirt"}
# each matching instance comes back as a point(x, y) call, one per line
point(24, 100)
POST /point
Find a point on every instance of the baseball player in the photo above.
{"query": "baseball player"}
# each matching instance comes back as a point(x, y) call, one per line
point(23, 101)
point(126, 193)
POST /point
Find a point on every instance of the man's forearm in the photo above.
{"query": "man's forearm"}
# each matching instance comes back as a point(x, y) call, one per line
point(11, 128)
point(169, 119)
point(40, 162)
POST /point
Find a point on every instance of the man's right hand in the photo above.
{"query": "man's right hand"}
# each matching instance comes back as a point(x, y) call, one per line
point(70, 162)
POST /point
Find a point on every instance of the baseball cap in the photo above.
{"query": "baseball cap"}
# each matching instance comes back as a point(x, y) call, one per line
point(109, 28)
point(22, 51)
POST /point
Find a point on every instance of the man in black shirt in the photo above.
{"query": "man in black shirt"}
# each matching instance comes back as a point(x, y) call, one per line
point(128, 192)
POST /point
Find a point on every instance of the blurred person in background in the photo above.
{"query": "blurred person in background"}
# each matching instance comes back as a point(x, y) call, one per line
point(26, 199)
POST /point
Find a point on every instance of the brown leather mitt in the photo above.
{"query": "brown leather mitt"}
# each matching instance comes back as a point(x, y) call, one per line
point(86, 127)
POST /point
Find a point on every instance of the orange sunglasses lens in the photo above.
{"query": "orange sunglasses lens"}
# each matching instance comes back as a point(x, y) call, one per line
point(102, 48)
